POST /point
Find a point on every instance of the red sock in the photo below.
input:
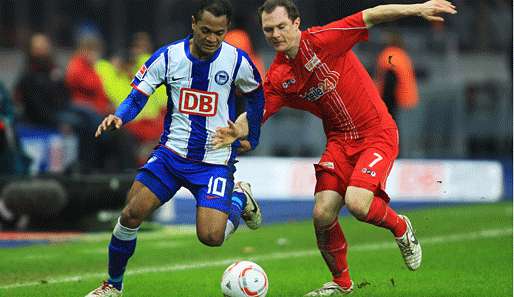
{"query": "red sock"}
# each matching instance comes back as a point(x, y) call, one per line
point(333, 247)
point(380, 214)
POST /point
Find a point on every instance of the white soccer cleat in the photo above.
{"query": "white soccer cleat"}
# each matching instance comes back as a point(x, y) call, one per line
point(105, 290)
point(330, 289)
point(252, 212)
point(410, 246)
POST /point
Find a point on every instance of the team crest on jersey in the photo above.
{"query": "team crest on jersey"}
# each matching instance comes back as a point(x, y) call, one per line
point(141, 73)
point(221, 77)
point(196, 102)
point(313, 63)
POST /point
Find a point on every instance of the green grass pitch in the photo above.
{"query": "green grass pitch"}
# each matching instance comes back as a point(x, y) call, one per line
point(467, 251)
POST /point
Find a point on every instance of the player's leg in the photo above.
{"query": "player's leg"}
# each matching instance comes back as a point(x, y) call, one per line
point(329, 235)
point(211, 225)
point(141, 202)
point(373, 209)
point(218, 208)
point(217, 194)
point(153, 186)
point(366, 199)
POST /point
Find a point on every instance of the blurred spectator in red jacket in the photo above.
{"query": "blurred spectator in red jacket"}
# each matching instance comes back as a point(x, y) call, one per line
point(241, 39)
point(85, 85)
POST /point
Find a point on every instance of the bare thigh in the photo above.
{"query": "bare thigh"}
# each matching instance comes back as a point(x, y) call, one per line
point(141, 202)
point(210, 226)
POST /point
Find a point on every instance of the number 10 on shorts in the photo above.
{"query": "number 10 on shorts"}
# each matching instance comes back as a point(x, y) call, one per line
point(217, 186)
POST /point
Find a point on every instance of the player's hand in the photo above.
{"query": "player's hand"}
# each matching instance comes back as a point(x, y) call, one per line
point(245, 147)
point(111, 122)
point(225, 136)
point(431, 10)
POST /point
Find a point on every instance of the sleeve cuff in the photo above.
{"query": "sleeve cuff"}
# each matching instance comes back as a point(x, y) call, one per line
point(144, 88)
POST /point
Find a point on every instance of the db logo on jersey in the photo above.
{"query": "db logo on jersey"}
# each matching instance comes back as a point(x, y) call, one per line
point(197, 102)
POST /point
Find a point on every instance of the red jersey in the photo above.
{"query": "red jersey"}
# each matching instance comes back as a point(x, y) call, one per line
point(327, 79)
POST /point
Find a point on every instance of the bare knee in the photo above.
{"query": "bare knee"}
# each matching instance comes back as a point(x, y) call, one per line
point(323, 215)
point(212, 239)
point(140, 203)
point(131, 217)
point(358, 201)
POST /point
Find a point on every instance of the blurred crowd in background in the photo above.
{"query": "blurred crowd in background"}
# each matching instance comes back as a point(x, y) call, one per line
point(66, 64)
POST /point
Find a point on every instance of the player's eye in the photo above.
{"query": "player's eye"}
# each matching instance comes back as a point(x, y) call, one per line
point(205, 31)
point(282, 27)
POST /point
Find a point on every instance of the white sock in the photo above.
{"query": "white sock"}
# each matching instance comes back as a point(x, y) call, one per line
point(124, 233)
point(229, 229)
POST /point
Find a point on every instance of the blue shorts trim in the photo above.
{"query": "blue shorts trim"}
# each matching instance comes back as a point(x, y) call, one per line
point(147, 178)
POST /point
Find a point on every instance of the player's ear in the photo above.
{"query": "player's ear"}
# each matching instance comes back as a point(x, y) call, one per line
point(297, 22)
point(193, 22)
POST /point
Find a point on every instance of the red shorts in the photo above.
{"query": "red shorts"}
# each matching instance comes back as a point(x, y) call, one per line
point(364, 163)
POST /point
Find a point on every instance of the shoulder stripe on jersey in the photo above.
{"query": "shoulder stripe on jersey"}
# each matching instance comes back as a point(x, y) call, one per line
point(338, 29)
point(256, 75)
point(168, 118)
point(238, 64)
point(169, 105)
point(166, 54)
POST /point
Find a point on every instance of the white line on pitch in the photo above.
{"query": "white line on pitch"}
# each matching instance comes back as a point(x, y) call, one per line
point(491, 233)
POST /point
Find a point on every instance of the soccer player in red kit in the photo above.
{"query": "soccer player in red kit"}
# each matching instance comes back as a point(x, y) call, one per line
point(315, 70)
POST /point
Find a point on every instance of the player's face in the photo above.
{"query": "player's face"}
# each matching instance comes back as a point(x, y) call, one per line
point(208, 33)
point(279, 30)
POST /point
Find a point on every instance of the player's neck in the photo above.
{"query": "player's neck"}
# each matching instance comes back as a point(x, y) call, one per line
point(293, 50)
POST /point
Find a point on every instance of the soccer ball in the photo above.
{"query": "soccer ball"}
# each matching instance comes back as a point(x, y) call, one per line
point(244, 279)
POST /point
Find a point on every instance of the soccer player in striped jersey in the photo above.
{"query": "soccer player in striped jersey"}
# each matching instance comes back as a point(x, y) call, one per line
point(315, 70)
point(201, 74)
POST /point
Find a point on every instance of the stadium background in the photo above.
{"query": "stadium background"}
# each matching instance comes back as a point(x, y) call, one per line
point(456, 145)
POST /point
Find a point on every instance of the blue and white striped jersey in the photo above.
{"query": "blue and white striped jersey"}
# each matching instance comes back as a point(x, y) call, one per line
point(201, 96)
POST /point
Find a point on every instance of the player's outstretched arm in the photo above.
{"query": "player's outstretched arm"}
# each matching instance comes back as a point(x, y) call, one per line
point(110, 122)
point(430, 10)
point(126, 112)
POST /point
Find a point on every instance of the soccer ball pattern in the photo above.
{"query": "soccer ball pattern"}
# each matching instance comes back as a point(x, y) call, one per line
point(244, 279)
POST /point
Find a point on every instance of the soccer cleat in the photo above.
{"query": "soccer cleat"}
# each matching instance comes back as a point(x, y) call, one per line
point(105, 290)
point(331, 289)
point(252, 212)
point(410, 246)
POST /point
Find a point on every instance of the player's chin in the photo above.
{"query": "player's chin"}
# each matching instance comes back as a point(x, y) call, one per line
point(210, 49)
point(279, 47)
